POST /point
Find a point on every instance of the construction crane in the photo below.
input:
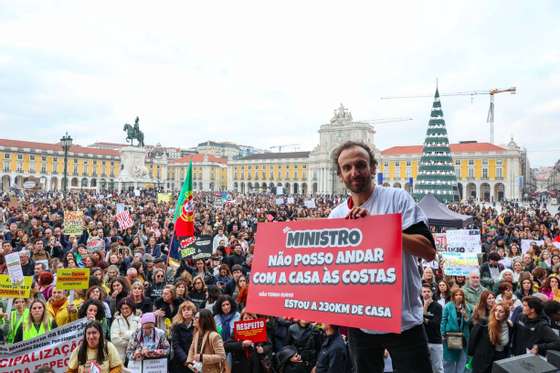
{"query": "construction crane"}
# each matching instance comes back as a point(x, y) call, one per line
point(491, 93)
point(385, 120)
point(280, 147)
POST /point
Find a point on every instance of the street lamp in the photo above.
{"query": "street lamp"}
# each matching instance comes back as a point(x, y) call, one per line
point(66, 142)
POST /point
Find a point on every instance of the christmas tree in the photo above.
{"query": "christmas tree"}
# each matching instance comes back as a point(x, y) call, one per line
point(436, 174)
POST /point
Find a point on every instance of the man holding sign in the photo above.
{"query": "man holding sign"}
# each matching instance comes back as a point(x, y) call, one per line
point(356, 167)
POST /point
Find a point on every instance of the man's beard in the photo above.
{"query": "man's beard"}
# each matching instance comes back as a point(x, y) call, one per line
point(363, 184)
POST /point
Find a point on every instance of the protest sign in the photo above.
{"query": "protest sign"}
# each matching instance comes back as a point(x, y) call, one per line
point(290, 200)
point(441, 242)
point(14, 267)
point(51, 349)
point(95, 244)
point(72, 278)
point(279, 190)
point(73, 223)
point(200, 247)
point(164, 197)
point(250, 330)
point(18, 290)
point(136, 193)
point(337, 271)
point(463, 241)
point(279, 201)
point(310, 204)
point(147, 366)
point(459, 264)
point(526, 244)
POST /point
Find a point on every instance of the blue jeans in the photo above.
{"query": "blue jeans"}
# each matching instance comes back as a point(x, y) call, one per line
point(456, 366)
point(409, 351)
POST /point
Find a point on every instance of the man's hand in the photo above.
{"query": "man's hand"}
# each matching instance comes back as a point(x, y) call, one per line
point(357, 212)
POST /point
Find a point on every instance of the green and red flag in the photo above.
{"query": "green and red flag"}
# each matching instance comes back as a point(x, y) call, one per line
point(184, 215)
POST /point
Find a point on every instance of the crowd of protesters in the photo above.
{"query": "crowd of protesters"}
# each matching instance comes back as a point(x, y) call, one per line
point(141, 307)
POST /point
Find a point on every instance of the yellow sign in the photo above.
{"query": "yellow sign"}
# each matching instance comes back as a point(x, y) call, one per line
point(164, 197)
point(72, 278)
point(10, 290)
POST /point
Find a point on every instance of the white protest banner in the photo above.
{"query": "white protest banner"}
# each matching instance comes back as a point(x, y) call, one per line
point(52, 349)
point(463, 240)
point(310, 204)
point(279, 190)
point(147, 366)
point(291, 200)
point(136, 193)
point(525, 244)
point(14, 267)
point(279, 201)
point(459, 264)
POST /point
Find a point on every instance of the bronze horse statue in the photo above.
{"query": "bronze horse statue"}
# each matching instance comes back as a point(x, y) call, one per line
point(133, 132)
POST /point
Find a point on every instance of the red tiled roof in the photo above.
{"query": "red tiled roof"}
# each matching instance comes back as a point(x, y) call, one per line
point(473, 147)
point(198, 158)
point(57, 147)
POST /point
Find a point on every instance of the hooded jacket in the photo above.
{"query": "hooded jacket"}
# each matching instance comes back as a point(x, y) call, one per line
point(529, 332)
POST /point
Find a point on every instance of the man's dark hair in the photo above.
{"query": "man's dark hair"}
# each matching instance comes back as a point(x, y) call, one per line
point(352, 144)
point(551, 308)
point(494, 256)
point(534, 303)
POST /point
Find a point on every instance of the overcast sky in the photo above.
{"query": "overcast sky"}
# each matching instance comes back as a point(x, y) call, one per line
point(266, 73)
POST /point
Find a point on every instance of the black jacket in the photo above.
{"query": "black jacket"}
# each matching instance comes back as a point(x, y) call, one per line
point(181, 339)
point(333, 356)
point(527, 333)
point(307, 341)
point(246, 360)
point(482, 350)
point(432, 322)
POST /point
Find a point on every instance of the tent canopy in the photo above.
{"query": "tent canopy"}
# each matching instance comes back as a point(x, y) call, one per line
point(439, 215)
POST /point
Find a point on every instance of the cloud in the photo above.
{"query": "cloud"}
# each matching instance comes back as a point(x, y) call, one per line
point(264, 74)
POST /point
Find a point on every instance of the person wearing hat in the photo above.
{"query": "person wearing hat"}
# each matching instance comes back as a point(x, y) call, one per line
point(289, 361)
point(148, 342)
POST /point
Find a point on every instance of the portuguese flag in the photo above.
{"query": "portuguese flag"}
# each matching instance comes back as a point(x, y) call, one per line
point(184, 216)
point(184, 211)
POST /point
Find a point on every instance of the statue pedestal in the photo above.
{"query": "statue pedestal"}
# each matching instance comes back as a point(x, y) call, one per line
point(134, 173)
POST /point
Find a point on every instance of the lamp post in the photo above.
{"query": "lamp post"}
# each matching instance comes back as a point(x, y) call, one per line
point(66, 142)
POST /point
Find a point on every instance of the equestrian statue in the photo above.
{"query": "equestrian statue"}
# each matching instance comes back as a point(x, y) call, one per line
point(133, 132)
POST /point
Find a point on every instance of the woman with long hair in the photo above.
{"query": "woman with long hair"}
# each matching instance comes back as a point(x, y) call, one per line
point(96, 292)
point(206, 353)
point(94, 351)
point(443, 293)
point(141, 303)
point(551, 289)
point(125, 323)
point(38, 323)
point(182, 330)
point(93, 309)
point(483, 307)
point(243, 291)
point(226, 315)
point(119, 289)
point(198, 295)
point(525, 287)
point(490, 341)
point(455, 327)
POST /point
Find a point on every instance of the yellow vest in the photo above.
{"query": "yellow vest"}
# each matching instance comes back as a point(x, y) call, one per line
point(30, 331)
point(14, 324)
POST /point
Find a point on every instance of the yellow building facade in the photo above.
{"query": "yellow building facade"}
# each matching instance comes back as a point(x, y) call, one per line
point(484, 171)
